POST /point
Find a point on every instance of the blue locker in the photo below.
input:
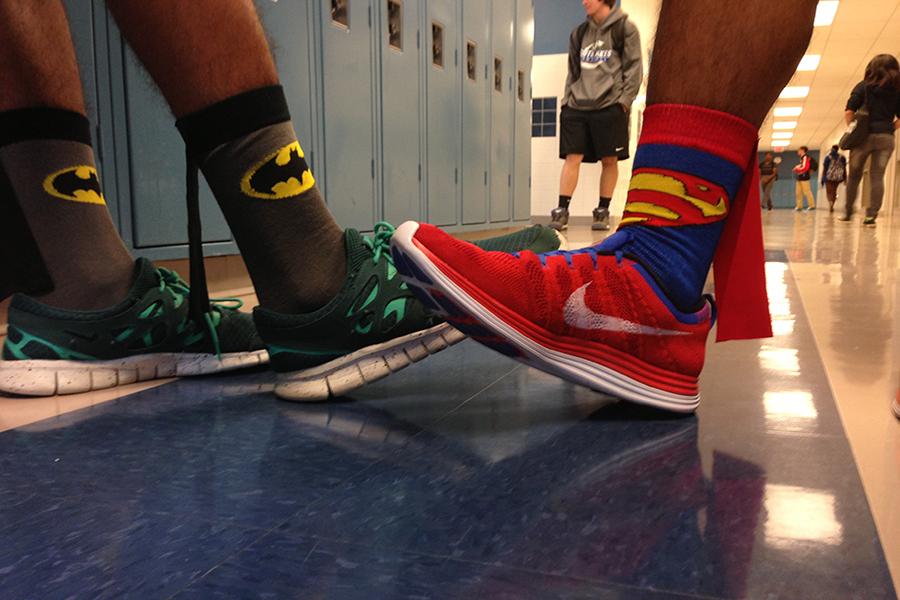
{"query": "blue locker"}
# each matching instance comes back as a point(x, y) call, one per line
point(522, 84)
point(287, 25)
point(348, 111)
point(476, 95)
point(89, 41)
point(502, 108)
point(400, 85)
point(150, 163)
point(443, 109)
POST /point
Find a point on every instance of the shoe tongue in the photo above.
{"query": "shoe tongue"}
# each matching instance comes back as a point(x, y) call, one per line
point(357, 250)
point(144, 278)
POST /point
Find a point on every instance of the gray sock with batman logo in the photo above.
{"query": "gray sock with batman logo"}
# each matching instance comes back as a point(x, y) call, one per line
point(47, 168)
point(293, 248)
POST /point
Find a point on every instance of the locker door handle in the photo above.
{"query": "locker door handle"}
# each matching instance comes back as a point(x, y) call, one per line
point(456, 176)
point(485, 178)
point(509, 180)
point(373, 168)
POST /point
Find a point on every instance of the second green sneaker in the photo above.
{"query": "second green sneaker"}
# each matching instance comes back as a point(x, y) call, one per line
point(148, 335)
point(373, 327)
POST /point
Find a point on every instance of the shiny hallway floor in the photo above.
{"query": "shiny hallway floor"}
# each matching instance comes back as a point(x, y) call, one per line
point(470, 476)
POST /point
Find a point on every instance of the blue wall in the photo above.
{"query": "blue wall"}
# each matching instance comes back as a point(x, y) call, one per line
point(554, 20)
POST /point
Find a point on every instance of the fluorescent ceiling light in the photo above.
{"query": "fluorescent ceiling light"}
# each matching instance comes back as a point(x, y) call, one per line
point(782, 135)
point(809, 62)
point(788, 111)
point(795, 91)
point(784, 125)
point(825, 12)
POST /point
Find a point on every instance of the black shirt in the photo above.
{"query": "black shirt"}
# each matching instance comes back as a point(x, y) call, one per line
point(884, 105)
point(766, 168)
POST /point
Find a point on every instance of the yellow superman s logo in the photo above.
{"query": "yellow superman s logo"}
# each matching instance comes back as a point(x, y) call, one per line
point(656, 182)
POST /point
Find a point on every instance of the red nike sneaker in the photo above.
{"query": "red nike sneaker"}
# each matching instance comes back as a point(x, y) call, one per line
point(595, 318)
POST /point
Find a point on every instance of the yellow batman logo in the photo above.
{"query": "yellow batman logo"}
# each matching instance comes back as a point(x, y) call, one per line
point(280, 175)
point(75, 184)
point(656, 182)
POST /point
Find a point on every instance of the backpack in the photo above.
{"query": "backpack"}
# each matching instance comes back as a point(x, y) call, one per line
point(835, 170)
point(813, 165)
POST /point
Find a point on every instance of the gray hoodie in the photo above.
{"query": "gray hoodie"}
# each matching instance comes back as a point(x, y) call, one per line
point(606, 78)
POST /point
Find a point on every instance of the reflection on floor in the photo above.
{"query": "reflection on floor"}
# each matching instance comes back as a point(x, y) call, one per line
point(465, 476)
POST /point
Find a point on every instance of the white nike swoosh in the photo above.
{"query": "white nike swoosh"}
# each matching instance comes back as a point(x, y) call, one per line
point(577, 314)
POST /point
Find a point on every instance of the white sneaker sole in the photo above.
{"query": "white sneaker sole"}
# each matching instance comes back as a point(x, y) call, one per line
point(366, 365)
point(52, 377)
point(572, 368)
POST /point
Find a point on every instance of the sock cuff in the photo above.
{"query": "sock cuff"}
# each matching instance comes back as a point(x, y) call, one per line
point(43, 123)
point(704, 129)
point(232, 118)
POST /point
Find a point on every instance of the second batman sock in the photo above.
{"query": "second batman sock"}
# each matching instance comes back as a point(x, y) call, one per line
point(249, 154)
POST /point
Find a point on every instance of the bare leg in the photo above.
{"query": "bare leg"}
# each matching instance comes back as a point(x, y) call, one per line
point(568, 179)
point(37, 60)
point(78, 243)
point(198, 52)
point(609, 176)
point(698, 65)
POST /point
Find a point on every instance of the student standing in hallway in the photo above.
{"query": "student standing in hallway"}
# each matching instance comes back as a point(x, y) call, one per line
point(768, 174)
point(605, 74)
point(834, 173)
point(880, 93)
point(803, 172)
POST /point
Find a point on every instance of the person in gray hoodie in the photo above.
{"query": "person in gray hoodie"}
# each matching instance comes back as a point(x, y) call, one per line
point(605, 74)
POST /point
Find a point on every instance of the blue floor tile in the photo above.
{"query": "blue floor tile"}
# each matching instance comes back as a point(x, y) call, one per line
point(281, 567)
point(465, 476)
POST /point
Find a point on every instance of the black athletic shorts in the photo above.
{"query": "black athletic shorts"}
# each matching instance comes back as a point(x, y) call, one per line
point(594, 133)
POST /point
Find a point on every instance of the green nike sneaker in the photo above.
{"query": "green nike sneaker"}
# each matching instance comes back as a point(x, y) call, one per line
point(373, 327)
point(148, 335)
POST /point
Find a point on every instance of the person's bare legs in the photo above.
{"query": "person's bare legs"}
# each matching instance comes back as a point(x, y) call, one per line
point(202, 53)
point(568, 178)
point(40, 100)
point(37, 60)
point(692, 65)
point(609, 176)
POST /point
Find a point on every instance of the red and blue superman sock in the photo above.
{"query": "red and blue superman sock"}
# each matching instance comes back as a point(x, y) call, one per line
point(693, 174)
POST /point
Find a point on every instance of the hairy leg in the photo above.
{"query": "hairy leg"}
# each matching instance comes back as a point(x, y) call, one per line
point(198, 52)
point(698, 65)
point(37, 60)
point(609, 176)
point(568, 179)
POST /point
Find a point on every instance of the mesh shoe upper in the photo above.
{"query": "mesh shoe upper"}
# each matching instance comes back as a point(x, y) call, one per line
point(373, 306)
point(576, 297)
point(536, 238)
point(153, 318)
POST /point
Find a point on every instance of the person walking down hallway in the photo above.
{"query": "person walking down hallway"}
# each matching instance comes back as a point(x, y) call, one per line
point(605, 73)
point(803, 172)
point(834, 173)
point(768, 174)
point(879, 92)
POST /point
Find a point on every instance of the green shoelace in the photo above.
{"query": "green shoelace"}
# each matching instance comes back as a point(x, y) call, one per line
point(171, 281)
